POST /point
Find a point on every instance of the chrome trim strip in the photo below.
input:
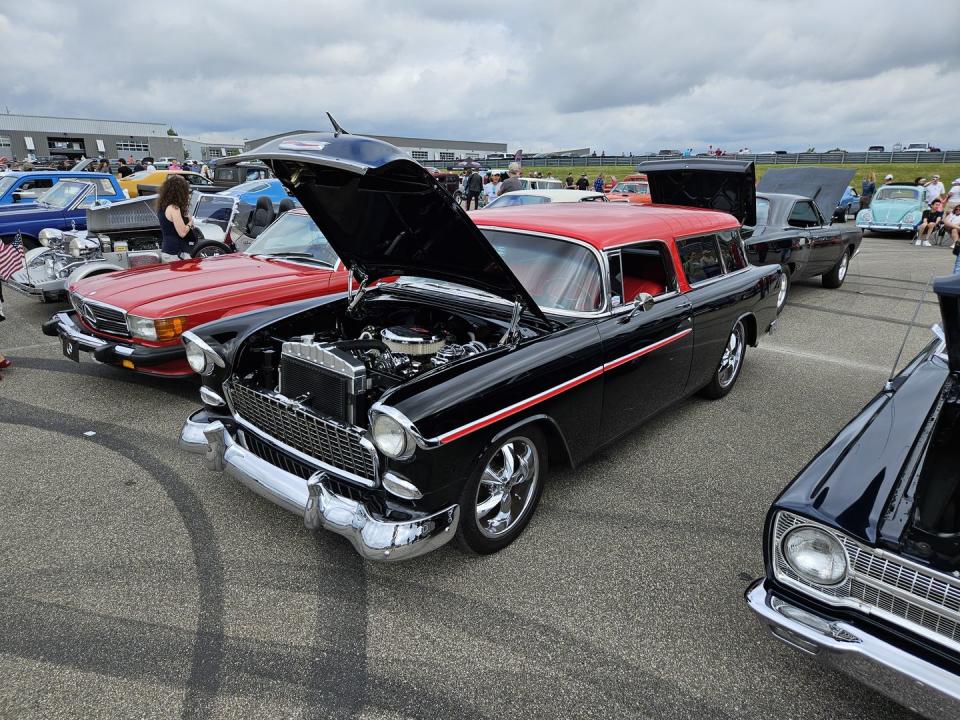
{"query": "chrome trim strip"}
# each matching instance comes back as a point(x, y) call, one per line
point(209, 397)
point(202, 344)
point(405, 423)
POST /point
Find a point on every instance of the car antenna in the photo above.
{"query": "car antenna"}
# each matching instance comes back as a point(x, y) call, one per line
point(337, 130)
point(890, 385)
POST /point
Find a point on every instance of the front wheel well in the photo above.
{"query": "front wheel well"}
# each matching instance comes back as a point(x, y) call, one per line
point(557, 449)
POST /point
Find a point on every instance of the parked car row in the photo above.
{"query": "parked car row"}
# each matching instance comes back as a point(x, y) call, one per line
point(404, 374)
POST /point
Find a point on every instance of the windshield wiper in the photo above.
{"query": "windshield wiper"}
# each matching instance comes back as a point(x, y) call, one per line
point(299, 256)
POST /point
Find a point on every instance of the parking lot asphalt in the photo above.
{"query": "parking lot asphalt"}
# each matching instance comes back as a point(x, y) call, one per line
point(134, 583)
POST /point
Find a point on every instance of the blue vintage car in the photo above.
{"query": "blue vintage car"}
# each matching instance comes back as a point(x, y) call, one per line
point(64, 207)
point(894, 209)
point(250, 192)
point(25, 187)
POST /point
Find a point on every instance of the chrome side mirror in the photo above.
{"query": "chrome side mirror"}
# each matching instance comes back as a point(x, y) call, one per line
point(643, 302)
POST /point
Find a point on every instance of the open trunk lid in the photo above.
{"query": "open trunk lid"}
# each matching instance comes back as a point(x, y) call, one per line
point(725, 185)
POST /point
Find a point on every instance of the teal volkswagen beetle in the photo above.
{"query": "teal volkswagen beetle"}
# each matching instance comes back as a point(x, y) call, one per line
point(894, 208)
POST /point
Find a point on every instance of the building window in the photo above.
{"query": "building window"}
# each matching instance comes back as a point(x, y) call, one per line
point(130, 146)
point(447, 156)
point(233, 151)
point(419, 155)
point(4, 142)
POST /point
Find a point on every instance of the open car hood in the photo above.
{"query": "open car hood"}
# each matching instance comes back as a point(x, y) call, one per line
point(948, 291)
point(825, 186)
point(725, 185)
point(384, 214)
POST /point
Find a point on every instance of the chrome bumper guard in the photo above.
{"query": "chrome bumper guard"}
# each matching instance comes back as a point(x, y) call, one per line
point(66, 327)
point(904, 678)
point(313, 500)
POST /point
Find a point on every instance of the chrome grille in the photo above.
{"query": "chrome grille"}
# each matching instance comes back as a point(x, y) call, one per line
point(340, 447)
point(102, 317)
point(877, 582)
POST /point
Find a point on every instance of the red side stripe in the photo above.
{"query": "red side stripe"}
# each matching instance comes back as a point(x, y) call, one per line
point(553, 392)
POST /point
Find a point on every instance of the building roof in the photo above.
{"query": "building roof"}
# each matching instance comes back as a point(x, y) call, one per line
point(48, 123)
point(606, 225)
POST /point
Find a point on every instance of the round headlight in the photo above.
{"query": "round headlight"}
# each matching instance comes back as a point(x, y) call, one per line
point(390, 437)
point(48, 235)
point(911, 217)
point(815, 555)
point(197, 358)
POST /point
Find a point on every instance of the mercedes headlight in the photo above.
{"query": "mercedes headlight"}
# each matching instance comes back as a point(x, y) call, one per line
point(391, 438)
point(158, 330)
point(815, 555)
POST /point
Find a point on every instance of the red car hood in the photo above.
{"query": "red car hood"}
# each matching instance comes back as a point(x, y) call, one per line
point(194, 286)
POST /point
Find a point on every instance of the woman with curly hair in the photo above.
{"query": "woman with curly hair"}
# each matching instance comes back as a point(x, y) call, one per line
point(173, 201)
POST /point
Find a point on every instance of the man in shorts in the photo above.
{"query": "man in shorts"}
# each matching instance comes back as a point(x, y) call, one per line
point(932, 219)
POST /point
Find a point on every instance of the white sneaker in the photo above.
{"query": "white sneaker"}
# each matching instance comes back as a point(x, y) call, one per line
point(917, 242)
point(926, 243)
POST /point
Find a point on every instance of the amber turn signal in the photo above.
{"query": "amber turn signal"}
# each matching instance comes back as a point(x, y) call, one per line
point(170, 328)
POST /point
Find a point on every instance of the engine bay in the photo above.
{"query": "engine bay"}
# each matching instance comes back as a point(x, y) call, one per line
point(342, 369)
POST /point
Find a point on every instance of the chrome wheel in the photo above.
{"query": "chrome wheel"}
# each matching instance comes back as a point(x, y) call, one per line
point(211, 251)
point(842, 270)
point(732, 357)
point(507, 486)
point(784, 289)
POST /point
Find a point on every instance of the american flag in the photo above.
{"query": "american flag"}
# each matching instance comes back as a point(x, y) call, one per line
point(11, 257)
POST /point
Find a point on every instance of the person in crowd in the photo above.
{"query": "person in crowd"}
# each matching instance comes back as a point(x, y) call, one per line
point(490, 187)
point(124, 169)
point(174, 165)
point(582, 182)
point(613, 181)
point(148, 164)
point(4, 362)
point(867, 188)
point(932, 218)
point(173, 202)
point(953, 195)
point(512, 182)
point(933, 189)
point(130, 160)
point(138, 166)
point(920, 181)
point(887, 179)
point(569, 181)
point(598, 184)
point(205, 171)
point(472, 189)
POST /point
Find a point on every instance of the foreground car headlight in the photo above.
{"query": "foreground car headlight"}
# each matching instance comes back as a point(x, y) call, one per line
point(200, 356)
point(391, 438)
point(815, 555)
point(50, 237)
point(160, 329)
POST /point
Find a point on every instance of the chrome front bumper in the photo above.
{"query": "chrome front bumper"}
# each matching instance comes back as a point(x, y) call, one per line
point(895, 227)
point(313, 500)
point(905, 678)
point(24, 282)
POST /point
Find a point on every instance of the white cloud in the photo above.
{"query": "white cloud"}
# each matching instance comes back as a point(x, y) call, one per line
point(617, 75)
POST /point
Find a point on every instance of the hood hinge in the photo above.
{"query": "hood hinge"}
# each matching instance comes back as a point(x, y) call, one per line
point(512, 335)
point(356, 298)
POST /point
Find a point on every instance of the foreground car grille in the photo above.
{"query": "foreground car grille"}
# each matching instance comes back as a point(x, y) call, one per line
point(883, 584)
point(295, 466)
point(334, 445)
point(102, 317)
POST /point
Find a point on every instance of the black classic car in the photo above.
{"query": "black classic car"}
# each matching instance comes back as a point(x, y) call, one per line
point(788, 227)
point(410, 412)
point(862, 549)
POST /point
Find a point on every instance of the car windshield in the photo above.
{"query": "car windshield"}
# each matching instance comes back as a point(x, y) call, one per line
point(558, 274)
point(515, 199)
point(631, 187)
point(294, 235)
point(763, 210)
point(247, 187)
point(898, 193)
point(214, 209)
point(63, 193)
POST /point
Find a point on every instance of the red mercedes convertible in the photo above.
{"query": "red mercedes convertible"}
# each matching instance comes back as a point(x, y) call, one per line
point(134, 319)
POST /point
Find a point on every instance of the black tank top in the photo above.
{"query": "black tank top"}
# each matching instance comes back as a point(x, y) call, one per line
point(172, 244)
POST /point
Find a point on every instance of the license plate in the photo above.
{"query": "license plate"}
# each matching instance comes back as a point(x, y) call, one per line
point(70, 349)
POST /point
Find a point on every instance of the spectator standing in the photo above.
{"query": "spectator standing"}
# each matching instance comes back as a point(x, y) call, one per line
point(139, 166)
point(583, 183)
point(124, 169)
point(932, 218)
point(569, 182)
point(512, 183)
point(888, 179)
point(174, 165)
point(205, 171)
point(933, 189)
point(953, 195)
point(867, 188)
point(598, 184)
point(473, 187)
point(490, 188)
point(148, 164)
point(951, 224)
point(173, 202)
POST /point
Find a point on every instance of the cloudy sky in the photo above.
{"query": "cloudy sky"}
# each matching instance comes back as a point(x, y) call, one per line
point(610, 75)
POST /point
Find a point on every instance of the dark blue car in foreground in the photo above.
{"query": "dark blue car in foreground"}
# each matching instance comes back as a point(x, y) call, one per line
point(63, 207)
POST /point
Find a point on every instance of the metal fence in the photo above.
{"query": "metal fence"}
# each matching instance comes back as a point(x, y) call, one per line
point(834, 158)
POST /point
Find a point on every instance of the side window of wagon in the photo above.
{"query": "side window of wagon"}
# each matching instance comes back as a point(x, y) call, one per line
point(731, 250)
point(641, 268)
point(700, 257)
